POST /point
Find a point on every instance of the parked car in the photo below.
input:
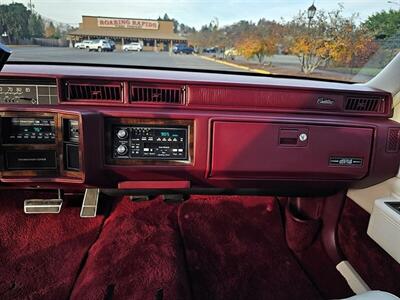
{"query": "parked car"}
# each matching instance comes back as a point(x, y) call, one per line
point(231, 53)
point(182, 48)
point(112, 44)
point(210, 50)
point(83, 45)
point(134, 46)
point(100, 46)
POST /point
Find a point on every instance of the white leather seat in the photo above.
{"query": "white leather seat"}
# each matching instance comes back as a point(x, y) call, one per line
point(374, 295)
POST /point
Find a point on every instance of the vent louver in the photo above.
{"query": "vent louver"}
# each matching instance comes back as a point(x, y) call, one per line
point(170, 94)
point(101, 91)
point(363, 104)
point(393, 140)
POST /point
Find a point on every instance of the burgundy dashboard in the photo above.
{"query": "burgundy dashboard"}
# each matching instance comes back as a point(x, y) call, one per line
point(75, 126)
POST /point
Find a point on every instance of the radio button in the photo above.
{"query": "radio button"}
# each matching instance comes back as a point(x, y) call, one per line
point(122, 134)
point(122, 149)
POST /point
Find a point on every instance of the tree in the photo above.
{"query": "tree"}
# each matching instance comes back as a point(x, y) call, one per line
point(329, 37)
point(384, 24)
point(19, 22)
point(50, 31)
point(258, 47)
point(353, 46)
point(35, 25)
point(14, 21)
point(176, 25)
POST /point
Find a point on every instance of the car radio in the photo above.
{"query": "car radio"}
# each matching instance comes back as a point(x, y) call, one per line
point(150, 142)
point(21, 130)
point(28, 142)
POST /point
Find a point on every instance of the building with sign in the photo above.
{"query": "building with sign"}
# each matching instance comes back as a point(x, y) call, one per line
point(155, 35)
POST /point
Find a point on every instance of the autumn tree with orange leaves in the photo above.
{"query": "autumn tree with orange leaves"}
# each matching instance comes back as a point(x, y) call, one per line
point(261, 42)
point(258, 47)
point(329, 38)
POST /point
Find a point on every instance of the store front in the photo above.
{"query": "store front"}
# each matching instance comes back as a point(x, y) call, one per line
point(154, 35)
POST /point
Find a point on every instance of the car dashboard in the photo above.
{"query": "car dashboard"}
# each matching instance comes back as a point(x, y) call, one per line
point(133, 129)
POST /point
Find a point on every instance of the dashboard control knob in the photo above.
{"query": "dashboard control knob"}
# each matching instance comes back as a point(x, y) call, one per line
point(122, 149)
point(122, 133)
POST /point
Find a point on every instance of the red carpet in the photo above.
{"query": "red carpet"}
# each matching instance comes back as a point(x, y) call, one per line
point(40, 255)
point(235, 249)
point(138, 253)
point(209, 247)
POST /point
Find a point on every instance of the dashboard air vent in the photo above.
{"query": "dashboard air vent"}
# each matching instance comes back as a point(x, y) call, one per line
point(393, 140)
point(364, 104)
point(171, 94)
point(81, 91)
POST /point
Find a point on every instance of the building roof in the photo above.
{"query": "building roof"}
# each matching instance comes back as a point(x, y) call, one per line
point(124, 33)
point(158, 20)
point(90, 27)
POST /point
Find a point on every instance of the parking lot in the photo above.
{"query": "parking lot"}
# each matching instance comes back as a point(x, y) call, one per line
point(160, 59)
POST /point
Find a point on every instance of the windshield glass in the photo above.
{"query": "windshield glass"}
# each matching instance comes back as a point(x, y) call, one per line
point(350, 41)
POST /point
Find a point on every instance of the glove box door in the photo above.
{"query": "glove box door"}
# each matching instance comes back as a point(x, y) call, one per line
point(256, 150)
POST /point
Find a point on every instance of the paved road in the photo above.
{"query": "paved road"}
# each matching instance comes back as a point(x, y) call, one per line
point(162, 59)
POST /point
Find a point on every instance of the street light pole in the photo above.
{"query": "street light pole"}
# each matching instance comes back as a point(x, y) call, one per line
point(310, 15)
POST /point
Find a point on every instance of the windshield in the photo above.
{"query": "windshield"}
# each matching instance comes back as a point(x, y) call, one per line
point(350, 41)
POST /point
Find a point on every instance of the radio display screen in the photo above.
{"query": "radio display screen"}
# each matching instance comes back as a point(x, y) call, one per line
point(20, 130)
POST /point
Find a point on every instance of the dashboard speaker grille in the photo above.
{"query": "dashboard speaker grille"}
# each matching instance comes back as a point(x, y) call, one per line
point(96, 92)
point(393, 140)
point(362, 104)
point(171, 94)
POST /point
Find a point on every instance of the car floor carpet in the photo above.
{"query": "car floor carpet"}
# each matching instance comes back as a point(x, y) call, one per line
point(139, 255)
point(40, 255)
point(210, 247)
point(235, 249)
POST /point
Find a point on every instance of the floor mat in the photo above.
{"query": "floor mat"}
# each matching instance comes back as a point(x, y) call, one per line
point(235, 249)
point(139, 255)
point(40, 255)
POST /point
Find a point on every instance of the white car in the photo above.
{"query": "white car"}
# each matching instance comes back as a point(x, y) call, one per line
point(99, 45)
point(134, 46)
point(83, 45)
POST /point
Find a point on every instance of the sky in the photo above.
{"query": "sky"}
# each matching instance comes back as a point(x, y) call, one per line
point(196, 13)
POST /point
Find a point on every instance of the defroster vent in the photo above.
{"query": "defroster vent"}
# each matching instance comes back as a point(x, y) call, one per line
point(170, 94)
point(98, 91)
point(365, 104)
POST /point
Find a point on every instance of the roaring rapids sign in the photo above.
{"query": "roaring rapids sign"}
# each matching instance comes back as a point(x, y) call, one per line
point(127, 23)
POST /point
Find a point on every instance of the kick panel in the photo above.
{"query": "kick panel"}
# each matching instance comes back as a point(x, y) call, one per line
point(250, 150)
